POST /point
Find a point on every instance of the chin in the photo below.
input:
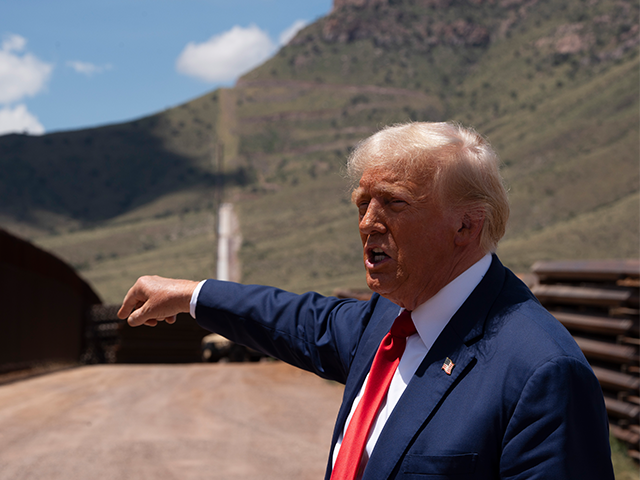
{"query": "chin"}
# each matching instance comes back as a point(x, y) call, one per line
point(384, 290)
point(376, 285)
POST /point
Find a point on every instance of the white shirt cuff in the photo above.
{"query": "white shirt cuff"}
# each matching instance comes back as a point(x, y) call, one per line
point(194, 299)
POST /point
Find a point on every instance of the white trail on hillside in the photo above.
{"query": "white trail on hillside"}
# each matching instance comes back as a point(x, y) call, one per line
point(229, 241)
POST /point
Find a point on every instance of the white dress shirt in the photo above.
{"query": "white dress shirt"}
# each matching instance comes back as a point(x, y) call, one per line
point(194, 299)
point(430, 318)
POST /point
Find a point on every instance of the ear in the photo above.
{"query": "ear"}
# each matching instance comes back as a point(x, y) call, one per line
point(470, 228)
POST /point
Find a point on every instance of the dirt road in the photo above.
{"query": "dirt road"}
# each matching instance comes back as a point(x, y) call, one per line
point(202, 421)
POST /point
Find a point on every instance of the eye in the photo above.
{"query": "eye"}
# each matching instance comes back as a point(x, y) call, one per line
point(396, 203)
point(362, 208)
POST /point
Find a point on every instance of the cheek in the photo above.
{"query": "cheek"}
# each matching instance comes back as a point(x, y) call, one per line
point(423, 250)
point(411, 243)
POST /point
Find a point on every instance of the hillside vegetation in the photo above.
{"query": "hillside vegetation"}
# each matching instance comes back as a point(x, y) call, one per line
point(553, 84)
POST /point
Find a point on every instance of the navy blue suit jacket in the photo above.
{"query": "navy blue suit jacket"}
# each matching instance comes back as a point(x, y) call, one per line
point(520, 402)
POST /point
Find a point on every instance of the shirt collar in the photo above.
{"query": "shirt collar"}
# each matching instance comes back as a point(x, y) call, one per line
point(431, 317)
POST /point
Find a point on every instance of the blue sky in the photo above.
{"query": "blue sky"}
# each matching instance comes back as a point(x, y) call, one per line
point(71, 64)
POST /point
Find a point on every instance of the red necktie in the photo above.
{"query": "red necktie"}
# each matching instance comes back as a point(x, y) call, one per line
point(382, 370)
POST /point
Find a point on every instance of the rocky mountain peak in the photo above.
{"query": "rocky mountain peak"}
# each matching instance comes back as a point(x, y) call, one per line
point(338, 4)
point(390, 23)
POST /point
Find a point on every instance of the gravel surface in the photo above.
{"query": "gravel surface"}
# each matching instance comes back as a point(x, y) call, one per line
point(201, 421)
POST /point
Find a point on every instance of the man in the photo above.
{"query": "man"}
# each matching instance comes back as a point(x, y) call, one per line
point(474, 379)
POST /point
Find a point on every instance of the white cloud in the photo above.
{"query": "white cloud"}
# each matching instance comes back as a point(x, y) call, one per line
point(87, 68)
point(14, 43)
point(19, 120)
point(20, 75)
point(225, 57)
point(287, 35)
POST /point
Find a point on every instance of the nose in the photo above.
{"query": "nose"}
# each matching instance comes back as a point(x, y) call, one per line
point(372, 220)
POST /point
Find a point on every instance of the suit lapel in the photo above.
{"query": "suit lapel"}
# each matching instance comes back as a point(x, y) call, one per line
point(421, 399)
point(431, 384)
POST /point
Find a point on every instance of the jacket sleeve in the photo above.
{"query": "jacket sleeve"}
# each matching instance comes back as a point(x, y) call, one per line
point(318, 334)
point(559, 427)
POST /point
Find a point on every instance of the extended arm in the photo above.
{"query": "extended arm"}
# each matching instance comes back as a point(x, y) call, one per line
point(316, 333)
point(319, 334)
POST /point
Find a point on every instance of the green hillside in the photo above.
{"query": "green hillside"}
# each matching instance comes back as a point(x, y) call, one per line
point(553, 84)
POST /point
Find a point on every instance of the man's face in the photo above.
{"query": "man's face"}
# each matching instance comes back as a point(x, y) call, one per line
point(407, 236)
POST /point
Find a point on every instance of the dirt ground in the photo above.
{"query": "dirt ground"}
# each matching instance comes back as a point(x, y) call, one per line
point(181, 422)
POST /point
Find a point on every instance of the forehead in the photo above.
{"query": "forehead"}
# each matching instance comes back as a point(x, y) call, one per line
point(384, 180)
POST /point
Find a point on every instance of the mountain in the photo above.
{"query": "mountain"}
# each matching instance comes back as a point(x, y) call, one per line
point(553, 84)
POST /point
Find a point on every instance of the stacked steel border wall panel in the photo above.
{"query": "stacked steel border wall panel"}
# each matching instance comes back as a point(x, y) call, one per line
point(111, 340)
point(44, 307)
point(597, 301)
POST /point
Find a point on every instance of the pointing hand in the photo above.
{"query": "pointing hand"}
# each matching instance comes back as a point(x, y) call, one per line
point(153, 299)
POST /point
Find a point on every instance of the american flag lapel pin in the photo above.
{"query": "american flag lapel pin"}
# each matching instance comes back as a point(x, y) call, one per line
point(447, 366)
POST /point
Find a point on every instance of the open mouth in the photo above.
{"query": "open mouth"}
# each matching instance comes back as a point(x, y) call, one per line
point(376, 256)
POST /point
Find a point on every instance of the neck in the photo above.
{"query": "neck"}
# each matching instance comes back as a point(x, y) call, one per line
point(455, 269)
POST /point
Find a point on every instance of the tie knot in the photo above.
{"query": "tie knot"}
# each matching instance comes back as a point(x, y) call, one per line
point(403, 325)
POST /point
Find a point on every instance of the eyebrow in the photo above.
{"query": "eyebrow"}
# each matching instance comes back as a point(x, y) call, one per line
point(357, 192)
point(386, 188)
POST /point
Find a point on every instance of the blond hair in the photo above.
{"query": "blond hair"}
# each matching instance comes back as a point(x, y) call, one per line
point(455, 162)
